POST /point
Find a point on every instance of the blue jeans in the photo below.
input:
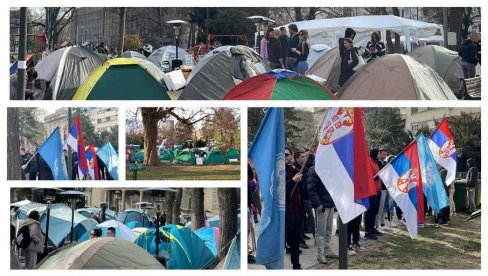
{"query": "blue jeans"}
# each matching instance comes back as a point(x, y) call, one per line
point(302, 67)
point(469, 71)
point(291, 63)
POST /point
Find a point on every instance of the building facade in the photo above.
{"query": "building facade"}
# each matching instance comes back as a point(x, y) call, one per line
point(418, 117)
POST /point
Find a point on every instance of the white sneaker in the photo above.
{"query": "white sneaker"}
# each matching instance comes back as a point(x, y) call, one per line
point(351, 252)
point(321, 259)
point(380, 229)
point(393, 224)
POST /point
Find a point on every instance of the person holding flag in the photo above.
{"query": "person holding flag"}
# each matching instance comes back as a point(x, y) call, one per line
point(91, 156)
point(75, 141)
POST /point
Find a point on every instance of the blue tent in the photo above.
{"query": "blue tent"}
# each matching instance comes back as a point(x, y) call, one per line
point(134, 218)
point(211, 237)
point(147, 240)
point(121, 230)
point(87, 212)
point(186, 250)
point(233, 257)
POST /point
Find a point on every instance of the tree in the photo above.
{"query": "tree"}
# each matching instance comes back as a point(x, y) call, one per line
point(54, 21)
point(177, 207)
point(466, 131)
point(31, 129)
point(198, 214)
point(13, 144)
point(228, 205)
point(105, 136)
point(225, 123)
point(385, 128)
point(89, 133)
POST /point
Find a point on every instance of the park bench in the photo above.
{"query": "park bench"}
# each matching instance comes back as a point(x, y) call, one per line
point(134, 168)
point(472, 88)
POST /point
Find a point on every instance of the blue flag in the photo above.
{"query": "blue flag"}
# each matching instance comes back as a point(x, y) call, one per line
point(109, 157)
point(52, 152)
point(268, 156)
point(431, 179)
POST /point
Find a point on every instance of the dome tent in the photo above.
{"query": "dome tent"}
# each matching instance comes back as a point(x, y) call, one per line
point(445, 62)
point(163, 56)
point(186, 157)
point(233, 154)
point(66, 69)
point(121, 230)
point(121, 79)
point(88, 212)
point(395, 77)
point(215, 157)
point(328, 67)
point(134, 218)
point(220, 70)
point(166, 155)
point(153, 69)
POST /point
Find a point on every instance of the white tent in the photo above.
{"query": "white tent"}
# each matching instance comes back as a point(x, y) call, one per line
point(328, 31)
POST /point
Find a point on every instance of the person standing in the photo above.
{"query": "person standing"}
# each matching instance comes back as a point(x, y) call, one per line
point(284, 43)
point(375, 48)
point(36, 244)
point(33, 166)
point(303, 51)
point(291, 55)
point(102, 214)
point(469, 58)
point(370, 214)
point(24, 158)
point(275, 53)
point(349, 59)
point(382, 195)
point(471, 181)
point(263, 45)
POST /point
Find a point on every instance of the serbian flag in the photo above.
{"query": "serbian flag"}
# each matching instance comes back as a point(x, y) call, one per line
point(91, 156)
point(342, 161)
point(65, 136)
point(75, 141)
point(443, 149)
point(403, 179)
point(268, 156)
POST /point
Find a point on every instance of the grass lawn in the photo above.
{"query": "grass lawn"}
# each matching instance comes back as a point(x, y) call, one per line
point(456, 246)
point(170, 171)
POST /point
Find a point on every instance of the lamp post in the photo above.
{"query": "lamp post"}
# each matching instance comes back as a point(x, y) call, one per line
point(117, 199)
point(144, 206)
point(49, 195)
point(260, 22)
point(176, 26)
point(73, 198)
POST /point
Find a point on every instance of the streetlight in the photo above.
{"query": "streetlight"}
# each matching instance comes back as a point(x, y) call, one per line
point(117, 199)
point(49, 195)
point(260, 21)
point(177, 26)
point(73, 198)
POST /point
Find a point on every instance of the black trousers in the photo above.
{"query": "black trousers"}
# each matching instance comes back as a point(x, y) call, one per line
point(370, 214)
point(293, 232)
point(353, 230)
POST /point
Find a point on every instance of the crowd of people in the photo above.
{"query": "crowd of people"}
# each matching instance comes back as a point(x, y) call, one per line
point(310, 208)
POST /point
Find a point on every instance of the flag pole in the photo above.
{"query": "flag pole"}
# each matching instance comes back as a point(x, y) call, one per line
point(70, 158)
point(306, 157)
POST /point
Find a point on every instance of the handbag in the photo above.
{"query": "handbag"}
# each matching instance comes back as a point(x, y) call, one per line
point(361, 62)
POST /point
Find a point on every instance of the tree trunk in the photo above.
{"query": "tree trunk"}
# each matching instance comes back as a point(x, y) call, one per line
point(228, 202)
point(455, 25)
point(123, 15)
point(13, 144)
point(198, 214)
point(150, 122)
point(177, 207)
point(170, 199)
point(298, 14)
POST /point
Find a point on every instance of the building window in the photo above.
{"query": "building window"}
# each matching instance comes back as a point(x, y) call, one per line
point(415, 127)
point(99, 121)
point(414, 110)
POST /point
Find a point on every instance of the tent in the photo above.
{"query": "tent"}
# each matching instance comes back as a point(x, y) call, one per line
point(220, 70)
point(166, 155)
point(121, 79)
point(328, 31)
point(211, 237)
point(186, 157)
point(138, 157)
point(121, 230)
point(153, 69)
point(395, 77)
point(445, 62)
point(163, 56)
point(87, 212)
point(100, 253)
point(66, 69)
point(328, 67)
point(134, 215)
point(316, 51)
point(279, 85)
point(233, 258)
point(233, 154)
point(216, 157)
point(147, 241)
point(186, 250)
point(176, 152)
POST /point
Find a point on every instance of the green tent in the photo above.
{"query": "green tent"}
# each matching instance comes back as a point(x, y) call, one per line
point(100, 253)
point(233, 154)
point(121, 79)
point(186, 157)
point(175, 152)
point(166, 155)
point(216, 157)
point(138, 157)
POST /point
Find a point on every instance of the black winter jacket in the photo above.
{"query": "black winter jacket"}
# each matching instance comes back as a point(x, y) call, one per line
point(317, 193)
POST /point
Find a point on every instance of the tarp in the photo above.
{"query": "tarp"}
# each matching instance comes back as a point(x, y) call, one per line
point(87, 212)
point(233, 257)
point(216, 157)
point(163, 56)
point(328, 31)
point(445, 62)
point(186, 157)
point(395, 77)
point(100, 253)
point(134, 215)
point(220, 70)
point(233, 154)
point(279, 85)
point(121, 230)
point(328, 67)
point(66, 69)
point(166, 155)
point(121, 79)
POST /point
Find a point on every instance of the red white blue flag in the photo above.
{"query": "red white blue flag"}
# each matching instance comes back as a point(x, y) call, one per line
point(443, 149)
point(75, 141)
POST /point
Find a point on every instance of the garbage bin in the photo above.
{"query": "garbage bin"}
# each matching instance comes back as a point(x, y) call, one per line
point(460, 197)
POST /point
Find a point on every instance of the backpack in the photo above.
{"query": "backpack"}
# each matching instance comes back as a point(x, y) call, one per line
point(23, 237)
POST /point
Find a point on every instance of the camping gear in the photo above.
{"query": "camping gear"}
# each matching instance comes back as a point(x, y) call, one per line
point(121, 79)
point(215, 157)
point(211, 237)
point(279, 85)
point(395, 77)
point(328, 67)
point(233, 154)
point(163, 57)
point(153, 69)
point(66, 69)
point(220, 70)
point(134, 218)
point(87, 212)
point(166, 155)
point(233, 258)
point(186, 157)
point(100, 253)
point(121, 230)
point(146, 239)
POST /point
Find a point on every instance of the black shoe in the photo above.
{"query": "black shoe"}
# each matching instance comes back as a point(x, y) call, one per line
point(305, 237)
point(375, 232)
point(370, 236)
point(304, 245)
point(288, 251)
point(251, 259)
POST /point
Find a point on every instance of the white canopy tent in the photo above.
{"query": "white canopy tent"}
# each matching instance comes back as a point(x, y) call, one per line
point(328, 31)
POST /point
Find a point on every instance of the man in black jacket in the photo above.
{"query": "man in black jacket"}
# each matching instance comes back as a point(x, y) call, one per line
point(275, 54)
point(471, 181)
point(469, 57)
point(284, 39)
point(324, 210)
